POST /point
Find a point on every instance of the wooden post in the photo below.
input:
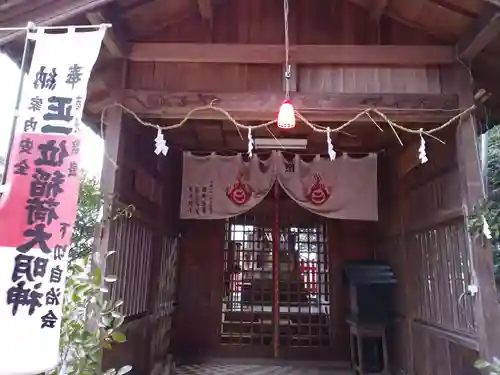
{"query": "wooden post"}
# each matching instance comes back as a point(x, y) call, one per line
point(113, 146)
point(409, 304)
point(486, 309)
point(276, 268)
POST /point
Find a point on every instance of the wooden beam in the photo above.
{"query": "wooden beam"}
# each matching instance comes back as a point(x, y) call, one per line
point(264, 105)
point(116, 46)
point(54, 12)
point(299, 54)
point(206, 10)
point(377, 8)
point(481, 34)
point(103, 84)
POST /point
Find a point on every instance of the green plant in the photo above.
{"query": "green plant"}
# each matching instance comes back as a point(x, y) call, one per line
point(493, 209)
point(489, 209)
point(492, 368)
point(81, 340)
point(90, 202)
point(90, 323)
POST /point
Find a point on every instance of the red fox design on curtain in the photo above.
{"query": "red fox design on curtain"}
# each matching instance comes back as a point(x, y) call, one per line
point(227, 186)
point(38, 206)
point(318, 193)
point(240, 193)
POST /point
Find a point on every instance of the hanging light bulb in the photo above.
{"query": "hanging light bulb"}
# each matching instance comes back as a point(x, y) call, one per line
point(286, 116)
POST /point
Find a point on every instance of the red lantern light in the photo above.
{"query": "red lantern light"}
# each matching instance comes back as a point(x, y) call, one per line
point(286, 116)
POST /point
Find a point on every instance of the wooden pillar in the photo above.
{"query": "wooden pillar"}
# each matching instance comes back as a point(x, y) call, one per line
point(276, 270)
point(486, 308)
point(113, 146)
point(410, 307)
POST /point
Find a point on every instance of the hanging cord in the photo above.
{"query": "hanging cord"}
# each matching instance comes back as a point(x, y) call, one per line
point(288, 68)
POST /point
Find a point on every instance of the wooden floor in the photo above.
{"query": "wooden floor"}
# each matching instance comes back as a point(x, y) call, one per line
point(256, 369)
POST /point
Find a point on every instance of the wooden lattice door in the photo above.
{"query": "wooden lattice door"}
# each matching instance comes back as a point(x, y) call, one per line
point(276, 295)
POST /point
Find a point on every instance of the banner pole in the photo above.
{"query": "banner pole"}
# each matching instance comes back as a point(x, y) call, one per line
point(27, 42)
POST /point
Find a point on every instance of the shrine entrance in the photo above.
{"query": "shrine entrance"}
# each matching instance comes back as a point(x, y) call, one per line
point(276, 300)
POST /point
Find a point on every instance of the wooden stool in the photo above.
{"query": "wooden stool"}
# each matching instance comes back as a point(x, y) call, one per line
point(360, 331)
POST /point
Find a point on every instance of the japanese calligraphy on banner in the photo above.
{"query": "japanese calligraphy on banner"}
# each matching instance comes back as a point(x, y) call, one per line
point(38, 211)
point(217, 187)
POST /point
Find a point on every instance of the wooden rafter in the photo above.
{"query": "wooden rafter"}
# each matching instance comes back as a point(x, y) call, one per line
point(412, 13)
point(53, 13)
point(481, 34)
point(299, 54)
point(115, 44)
point(263, 105)
point(157, 15)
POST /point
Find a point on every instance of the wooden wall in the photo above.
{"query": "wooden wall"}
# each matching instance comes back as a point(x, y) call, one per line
point(198, 317)
point(422, 235)
point(146, 246)
point(348, 241)
point(261, 22)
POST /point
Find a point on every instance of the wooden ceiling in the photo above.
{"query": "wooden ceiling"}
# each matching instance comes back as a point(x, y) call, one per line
point(445, 19)
point(467, 29)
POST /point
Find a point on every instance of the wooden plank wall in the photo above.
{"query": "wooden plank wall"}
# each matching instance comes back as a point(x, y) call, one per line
point(261, 22)
point(146, 248)
point(348, 241)
point(422, 235)
point(186, 77)
point(197, 320)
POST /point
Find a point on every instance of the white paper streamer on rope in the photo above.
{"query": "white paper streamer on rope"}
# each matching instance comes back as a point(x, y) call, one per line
point(486, 229)
point(422, 155)
point(331, 152)
point(250, 143)
point(160, 144)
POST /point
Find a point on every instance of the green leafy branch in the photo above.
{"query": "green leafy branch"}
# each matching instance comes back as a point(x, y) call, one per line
point(489, 210)
point(492, 368)
point(81, 344)
point(89, 322)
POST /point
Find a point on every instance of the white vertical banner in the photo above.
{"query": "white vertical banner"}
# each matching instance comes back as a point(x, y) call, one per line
point(38, 211)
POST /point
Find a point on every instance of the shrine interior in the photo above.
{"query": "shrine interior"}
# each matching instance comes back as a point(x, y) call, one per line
point(397, 277)
point(381, 295)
